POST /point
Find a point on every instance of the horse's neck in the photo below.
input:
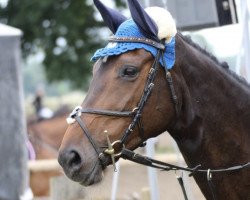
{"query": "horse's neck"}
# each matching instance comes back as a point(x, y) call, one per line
point(213, 129)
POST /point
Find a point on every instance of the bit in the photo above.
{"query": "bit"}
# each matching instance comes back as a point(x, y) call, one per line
point(110, 150)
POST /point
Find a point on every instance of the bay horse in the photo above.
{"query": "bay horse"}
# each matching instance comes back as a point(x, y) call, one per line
point(46, 137)
point(198, 100)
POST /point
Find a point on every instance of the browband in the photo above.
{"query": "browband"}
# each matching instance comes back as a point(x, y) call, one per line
point(157, 45)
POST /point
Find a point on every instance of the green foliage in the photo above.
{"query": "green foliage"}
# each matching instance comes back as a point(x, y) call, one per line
point(66, 30)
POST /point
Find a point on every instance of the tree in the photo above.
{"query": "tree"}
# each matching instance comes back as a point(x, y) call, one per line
point(66, 30)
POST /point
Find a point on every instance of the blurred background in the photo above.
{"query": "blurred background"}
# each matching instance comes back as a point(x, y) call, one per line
point(57, 40)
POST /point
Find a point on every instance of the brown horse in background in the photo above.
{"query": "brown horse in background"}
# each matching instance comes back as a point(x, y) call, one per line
point(204, 106)
point(46, 136)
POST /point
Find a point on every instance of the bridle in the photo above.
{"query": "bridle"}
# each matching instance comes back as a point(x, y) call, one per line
point(117, 148)
point(136, 113)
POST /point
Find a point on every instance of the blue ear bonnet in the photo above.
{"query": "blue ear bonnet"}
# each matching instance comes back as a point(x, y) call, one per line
point(130, 29)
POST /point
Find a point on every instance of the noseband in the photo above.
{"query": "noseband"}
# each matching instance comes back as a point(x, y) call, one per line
point(115, 149)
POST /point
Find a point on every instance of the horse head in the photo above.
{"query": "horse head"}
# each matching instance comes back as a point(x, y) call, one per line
point(131, 97)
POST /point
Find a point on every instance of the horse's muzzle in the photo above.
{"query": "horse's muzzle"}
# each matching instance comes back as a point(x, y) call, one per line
point(78, 169)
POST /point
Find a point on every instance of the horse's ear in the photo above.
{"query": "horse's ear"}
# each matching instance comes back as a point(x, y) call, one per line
point(143, 20)
point(111, 17)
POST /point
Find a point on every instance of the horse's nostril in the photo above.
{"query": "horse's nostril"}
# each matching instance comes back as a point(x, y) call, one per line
point(74, 159)
point(70, 160)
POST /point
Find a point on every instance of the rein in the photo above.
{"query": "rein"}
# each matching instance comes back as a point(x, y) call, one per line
point(117, 148)
point(150, 162)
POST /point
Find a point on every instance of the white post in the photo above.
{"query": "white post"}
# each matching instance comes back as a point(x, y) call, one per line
point(13, 152)
point(115, 181)
point(243, 60)
point(152, 173)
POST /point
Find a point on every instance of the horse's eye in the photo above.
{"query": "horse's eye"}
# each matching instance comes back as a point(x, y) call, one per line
point(129, 71)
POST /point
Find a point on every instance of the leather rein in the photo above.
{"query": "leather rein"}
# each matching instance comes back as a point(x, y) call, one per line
point(117, 149)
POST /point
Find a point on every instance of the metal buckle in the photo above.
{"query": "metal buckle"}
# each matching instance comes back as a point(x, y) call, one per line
point(119, 148)
point(112, 149)
point(129, 128)
point(209, 175)
point(135, 110)
point(151, 71)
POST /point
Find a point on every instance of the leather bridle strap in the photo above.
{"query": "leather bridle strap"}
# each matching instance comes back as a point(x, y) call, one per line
point(171, 86)
point(108, 112)
point(87, 133)
point(181, 183)
point(144, 160)
point(146, 92)
point(150, 162)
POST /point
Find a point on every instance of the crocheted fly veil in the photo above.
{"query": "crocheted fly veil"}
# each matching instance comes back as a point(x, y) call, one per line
point(153, 23)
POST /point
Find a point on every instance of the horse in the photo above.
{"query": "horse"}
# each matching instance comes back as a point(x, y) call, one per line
point(150, 79)
point(46, 136)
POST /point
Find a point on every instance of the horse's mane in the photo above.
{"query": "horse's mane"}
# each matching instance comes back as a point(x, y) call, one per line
point(224, 64)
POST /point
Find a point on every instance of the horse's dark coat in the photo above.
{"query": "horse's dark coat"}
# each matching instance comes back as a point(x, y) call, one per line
point(211, 129)
point(215, 129)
